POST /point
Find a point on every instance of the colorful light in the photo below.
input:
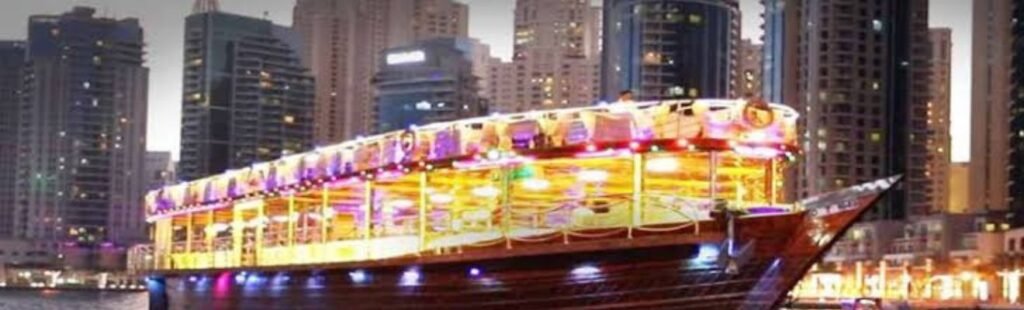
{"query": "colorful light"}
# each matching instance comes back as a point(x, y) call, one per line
point(663, 165)
point(535, 184)
point(402, 204)
point(442, 198)
point(593, 176)
point(486, 191)
point(219, 227)
point(358, 276)
point(410, 277)
point(474, 272)
point(585, 272)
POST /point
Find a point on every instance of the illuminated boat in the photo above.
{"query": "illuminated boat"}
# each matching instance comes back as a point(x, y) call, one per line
point(659, 204)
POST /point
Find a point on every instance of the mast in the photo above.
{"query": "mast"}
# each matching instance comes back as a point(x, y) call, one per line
point(205, 6)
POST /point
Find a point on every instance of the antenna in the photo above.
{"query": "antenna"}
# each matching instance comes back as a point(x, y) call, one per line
point(205, 6)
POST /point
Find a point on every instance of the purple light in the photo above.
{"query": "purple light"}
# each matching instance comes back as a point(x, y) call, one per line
point(410, 277)
point(358, 276)
point(474, 271)
point(585, 272)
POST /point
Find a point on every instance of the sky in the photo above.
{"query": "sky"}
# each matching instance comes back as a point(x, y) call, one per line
point(490, 21)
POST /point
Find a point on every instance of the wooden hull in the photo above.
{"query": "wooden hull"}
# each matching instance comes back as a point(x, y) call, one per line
point(678, 270)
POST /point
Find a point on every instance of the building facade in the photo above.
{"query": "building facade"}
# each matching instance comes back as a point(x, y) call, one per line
point(1015, 167)
point(864, 101)
point(781, 32)
point(82, 130)
point(248, 96)
point(12, 62)
point(959, 189)
point(555, 62)
point(426, 82)
point(345, 38)
point(991, 45)
point(659, 49)
point(748, 82)
point(159, 170)
point(939, 140)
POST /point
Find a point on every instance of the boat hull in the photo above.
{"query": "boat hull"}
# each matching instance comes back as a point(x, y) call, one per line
point(678, 270)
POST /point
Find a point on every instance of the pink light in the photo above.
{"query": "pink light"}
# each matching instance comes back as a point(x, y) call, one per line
point(756, 152)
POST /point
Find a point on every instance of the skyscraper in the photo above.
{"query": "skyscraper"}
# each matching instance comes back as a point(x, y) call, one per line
point(159, 170)
point(82, 130)
point(345, 38)
point(12, 61)
point(555, 57)
point(991, 44)
point(674, 48)
point(864, 86)
point(748, 81)
point(248, 96)
point(1015, 167)
point(781, 32)
point(939, 140)
point(426, 82)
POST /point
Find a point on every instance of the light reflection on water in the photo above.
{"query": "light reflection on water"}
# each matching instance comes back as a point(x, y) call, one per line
point(71, 300)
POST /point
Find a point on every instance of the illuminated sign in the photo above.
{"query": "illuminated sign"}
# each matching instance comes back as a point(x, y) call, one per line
point(406, 57)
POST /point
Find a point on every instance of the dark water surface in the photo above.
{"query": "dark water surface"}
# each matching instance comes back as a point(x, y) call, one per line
point(71, 300)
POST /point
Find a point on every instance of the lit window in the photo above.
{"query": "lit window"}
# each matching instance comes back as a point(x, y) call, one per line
point(289, 119)
point(695, 19)
point(877, 25)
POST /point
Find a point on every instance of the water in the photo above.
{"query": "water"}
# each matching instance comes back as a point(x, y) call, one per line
point(71, 300)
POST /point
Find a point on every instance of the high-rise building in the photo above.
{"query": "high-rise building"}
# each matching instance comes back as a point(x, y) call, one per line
point(748, 81)
point(345, 38)
point(939, 139)
point(991, 44)
point(12, 62)
point(1015, 167)
point(248, 96)
point(555, 60)
point(781, 32)
point(82, 130)
point(864, 101)
point(416, 20)
point(959, 176)
point(671, 48)
point(159, 170)
point(426, 82)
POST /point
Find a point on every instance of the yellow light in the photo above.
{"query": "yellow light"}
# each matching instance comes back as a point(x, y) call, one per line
point(663, 165)
point(534, 184)
point(593, 176)
point(486, 192)
point(441, 198)
point(402, 203)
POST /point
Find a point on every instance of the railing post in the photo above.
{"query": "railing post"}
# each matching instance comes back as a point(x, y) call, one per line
point(325, 206)
point(210, 238)
point(506, 208)
point(188, 236)
point(367, 218)
point(713, 176)
point(636, 207)
point(772, 198)
point(261, 219)
point(237, 237)
point(291, 227)
point(423, 212)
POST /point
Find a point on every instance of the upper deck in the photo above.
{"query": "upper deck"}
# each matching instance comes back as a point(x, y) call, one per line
point(520, 178)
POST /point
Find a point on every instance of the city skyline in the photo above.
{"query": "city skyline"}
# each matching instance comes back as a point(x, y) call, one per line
point(490, 21)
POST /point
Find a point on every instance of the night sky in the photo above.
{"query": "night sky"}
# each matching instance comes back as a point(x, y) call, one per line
point(490, 20)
